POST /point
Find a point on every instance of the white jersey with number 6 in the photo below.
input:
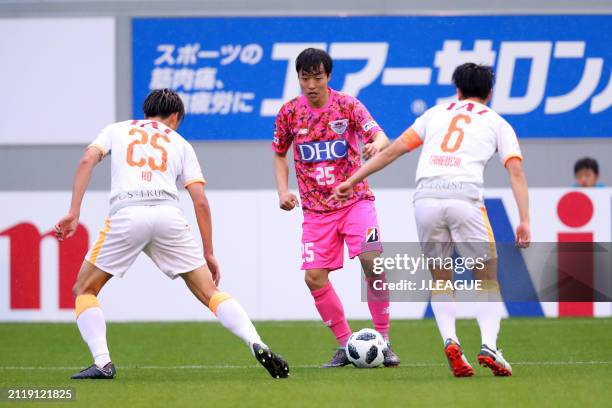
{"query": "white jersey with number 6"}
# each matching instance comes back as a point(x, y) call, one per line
point(458, 140)
point(147, 160)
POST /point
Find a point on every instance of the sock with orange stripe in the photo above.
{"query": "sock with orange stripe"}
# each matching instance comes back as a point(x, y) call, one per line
point(489, 311)
point(234, 318)
point(91, 323)
point(445, 311)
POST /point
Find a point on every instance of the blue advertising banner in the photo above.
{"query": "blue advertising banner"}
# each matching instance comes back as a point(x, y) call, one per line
point(553, 73)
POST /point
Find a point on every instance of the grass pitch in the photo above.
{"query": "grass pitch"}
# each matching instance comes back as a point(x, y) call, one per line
point(557, 362)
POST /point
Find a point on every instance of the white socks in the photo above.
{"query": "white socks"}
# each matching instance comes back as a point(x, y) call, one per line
point(489, 310)
point(93, 330)
point(234, 318)
point(445, 311)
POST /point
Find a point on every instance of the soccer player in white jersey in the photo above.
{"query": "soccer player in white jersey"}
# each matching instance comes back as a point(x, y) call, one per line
point(458, 140)
point(148, 158)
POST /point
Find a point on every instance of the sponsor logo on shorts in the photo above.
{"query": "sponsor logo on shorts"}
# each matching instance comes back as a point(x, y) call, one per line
point(372, 235)
point(369, 125)
point(339, 126)
point(322, 151)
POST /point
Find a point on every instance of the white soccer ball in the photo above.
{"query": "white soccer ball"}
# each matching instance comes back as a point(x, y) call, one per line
point(365, 348)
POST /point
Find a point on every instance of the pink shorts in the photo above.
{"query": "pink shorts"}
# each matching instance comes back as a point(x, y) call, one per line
point(323, 235)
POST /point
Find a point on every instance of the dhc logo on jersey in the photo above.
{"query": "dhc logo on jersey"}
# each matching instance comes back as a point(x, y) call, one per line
point(323, 151)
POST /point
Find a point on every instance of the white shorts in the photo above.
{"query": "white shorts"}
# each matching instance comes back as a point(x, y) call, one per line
point(446, 224)
point(160, 231)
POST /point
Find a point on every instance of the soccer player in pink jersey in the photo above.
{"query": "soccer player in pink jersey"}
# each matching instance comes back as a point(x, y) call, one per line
point(325, 128)
point(148, 158)
point(458, 139)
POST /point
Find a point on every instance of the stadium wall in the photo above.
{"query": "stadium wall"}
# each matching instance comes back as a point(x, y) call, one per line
point(258, 247)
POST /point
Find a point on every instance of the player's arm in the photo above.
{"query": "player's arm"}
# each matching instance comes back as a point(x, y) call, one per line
point(204, 220)
point(66, 226)
point(287, 201)
point(378, 162)
point(518, 182)
point(379, 142)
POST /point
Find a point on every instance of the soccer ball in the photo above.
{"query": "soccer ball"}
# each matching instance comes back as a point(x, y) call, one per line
point(365, 348)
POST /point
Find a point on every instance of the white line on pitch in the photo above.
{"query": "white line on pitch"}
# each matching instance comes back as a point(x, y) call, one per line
point(221, 367)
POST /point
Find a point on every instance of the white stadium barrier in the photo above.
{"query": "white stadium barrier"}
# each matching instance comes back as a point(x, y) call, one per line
point(257, 245)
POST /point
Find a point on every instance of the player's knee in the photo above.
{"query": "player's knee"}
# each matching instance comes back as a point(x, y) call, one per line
point(369, 256)
point(315, 279)
point(78, 289)
point(367, 260)
point(82, 289)
point(488, 271)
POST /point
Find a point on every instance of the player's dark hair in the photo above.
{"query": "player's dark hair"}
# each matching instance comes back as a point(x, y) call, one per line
point(586, 163)
point(310, 61)
point(162, 103)
point(473, 80)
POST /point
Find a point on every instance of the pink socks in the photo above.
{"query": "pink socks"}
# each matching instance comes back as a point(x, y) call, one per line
point(378, 303)
point(330, 308)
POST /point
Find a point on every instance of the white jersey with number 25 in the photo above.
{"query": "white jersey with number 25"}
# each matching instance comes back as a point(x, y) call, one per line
point(147, 160)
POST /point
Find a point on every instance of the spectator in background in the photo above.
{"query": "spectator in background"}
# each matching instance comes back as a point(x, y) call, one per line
point(586, 172)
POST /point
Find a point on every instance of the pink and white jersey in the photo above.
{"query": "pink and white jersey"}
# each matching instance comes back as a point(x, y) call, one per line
point(458, 140)
point(147, 160)
point(325, 147)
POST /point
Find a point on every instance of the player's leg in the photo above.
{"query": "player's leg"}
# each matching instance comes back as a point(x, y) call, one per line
point(328, 304)
point(436, 243)
point(378, 300)
point(330, 309)
point(489, 309)
point(379, 305)
point(234, 318)
point(120, 241)
point(445, 311)
point(359, 228)
point(361, 233)
point(323, 252)
point(489, 312)
point(227, 309)
point(90, 321)
point(443, 305)
point(472, 230)
point(175, 252)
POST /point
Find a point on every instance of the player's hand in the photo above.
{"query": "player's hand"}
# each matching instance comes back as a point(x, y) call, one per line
point(370, 150)
point(343, 191)
point(523, 235)
point(213, 265)
point(66, 227)
point(288, 201)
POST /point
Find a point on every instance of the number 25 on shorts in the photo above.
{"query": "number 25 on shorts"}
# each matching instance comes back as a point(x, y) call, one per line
point(307, 252)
